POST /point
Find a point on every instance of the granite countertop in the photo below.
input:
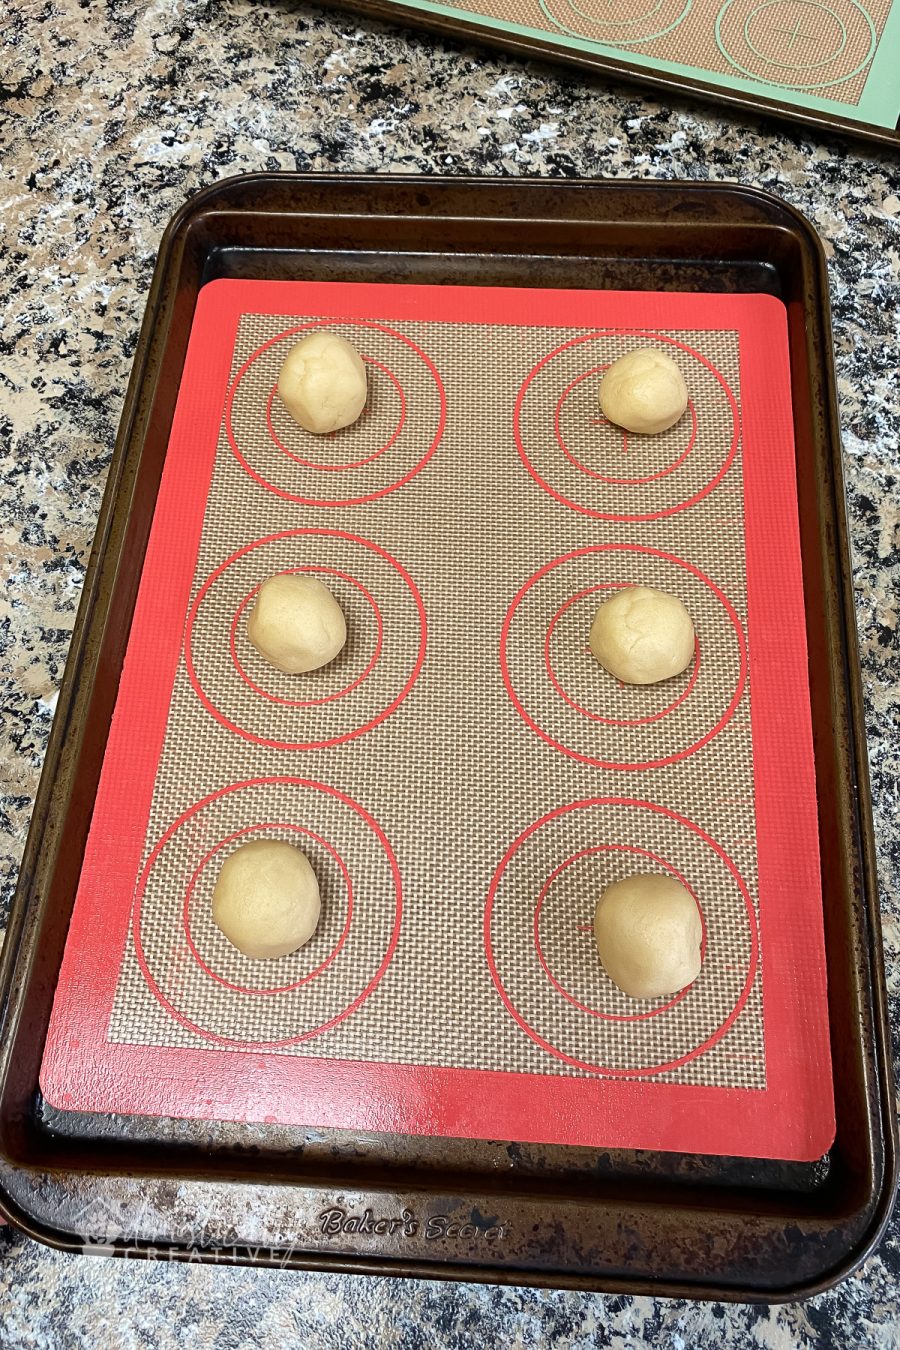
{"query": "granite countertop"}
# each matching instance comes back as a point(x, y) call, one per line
point(113, 115)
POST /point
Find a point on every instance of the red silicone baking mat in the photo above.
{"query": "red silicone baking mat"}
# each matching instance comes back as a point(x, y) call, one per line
point(464, 778)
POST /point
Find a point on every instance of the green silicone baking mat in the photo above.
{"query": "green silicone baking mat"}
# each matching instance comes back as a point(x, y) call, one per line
point(830, 62)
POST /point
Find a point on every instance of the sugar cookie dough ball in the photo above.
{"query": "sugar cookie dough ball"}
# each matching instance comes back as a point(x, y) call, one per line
point(323, 382)
point(648, 935)
point(296, 624)
point(266, 899)
point(643, 392)
point(642, 635)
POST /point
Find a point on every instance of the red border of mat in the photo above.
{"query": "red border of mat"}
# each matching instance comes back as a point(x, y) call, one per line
point(793, 1117)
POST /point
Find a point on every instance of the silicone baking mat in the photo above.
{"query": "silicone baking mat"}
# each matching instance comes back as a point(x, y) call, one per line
point(839, 57)
point(464, 777)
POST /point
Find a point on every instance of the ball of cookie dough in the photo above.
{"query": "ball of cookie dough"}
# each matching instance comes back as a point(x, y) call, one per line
point(296, 624)
point(323, 382)
point(648, 935)
point(642, 635)
point(643, 392)
point(266, 900)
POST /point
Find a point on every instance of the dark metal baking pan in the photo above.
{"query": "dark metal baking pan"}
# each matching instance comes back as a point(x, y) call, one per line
point(636, 1221)
point(661, 81)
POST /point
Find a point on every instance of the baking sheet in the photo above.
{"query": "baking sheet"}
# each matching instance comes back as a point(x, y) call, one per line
point(452, 987)
point(839, 57)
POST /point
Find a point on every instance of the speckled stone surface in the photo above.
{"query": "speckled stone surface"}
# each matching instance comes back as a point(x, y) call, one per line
point(112, 114)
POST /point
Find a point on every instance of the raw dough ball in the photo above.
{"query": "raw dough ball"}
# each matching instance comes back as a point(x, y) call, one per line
point(644, 392)
point(642, 635)
point(648, 934)
point(323, 382)
point(266, 899)
point(296, 623)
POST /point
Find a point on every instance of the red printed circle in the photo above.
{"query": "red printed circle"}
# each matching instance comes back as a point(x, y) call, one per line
point(200, 869)
point(598, 717)
point(645, 1070)
point(352, 464)
point(606, 478)
point(545, 890)
point(374, 495)
point(189, 814)
point(321, 744)
point(325, 698)
point(676, 755)
point(618, 515)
